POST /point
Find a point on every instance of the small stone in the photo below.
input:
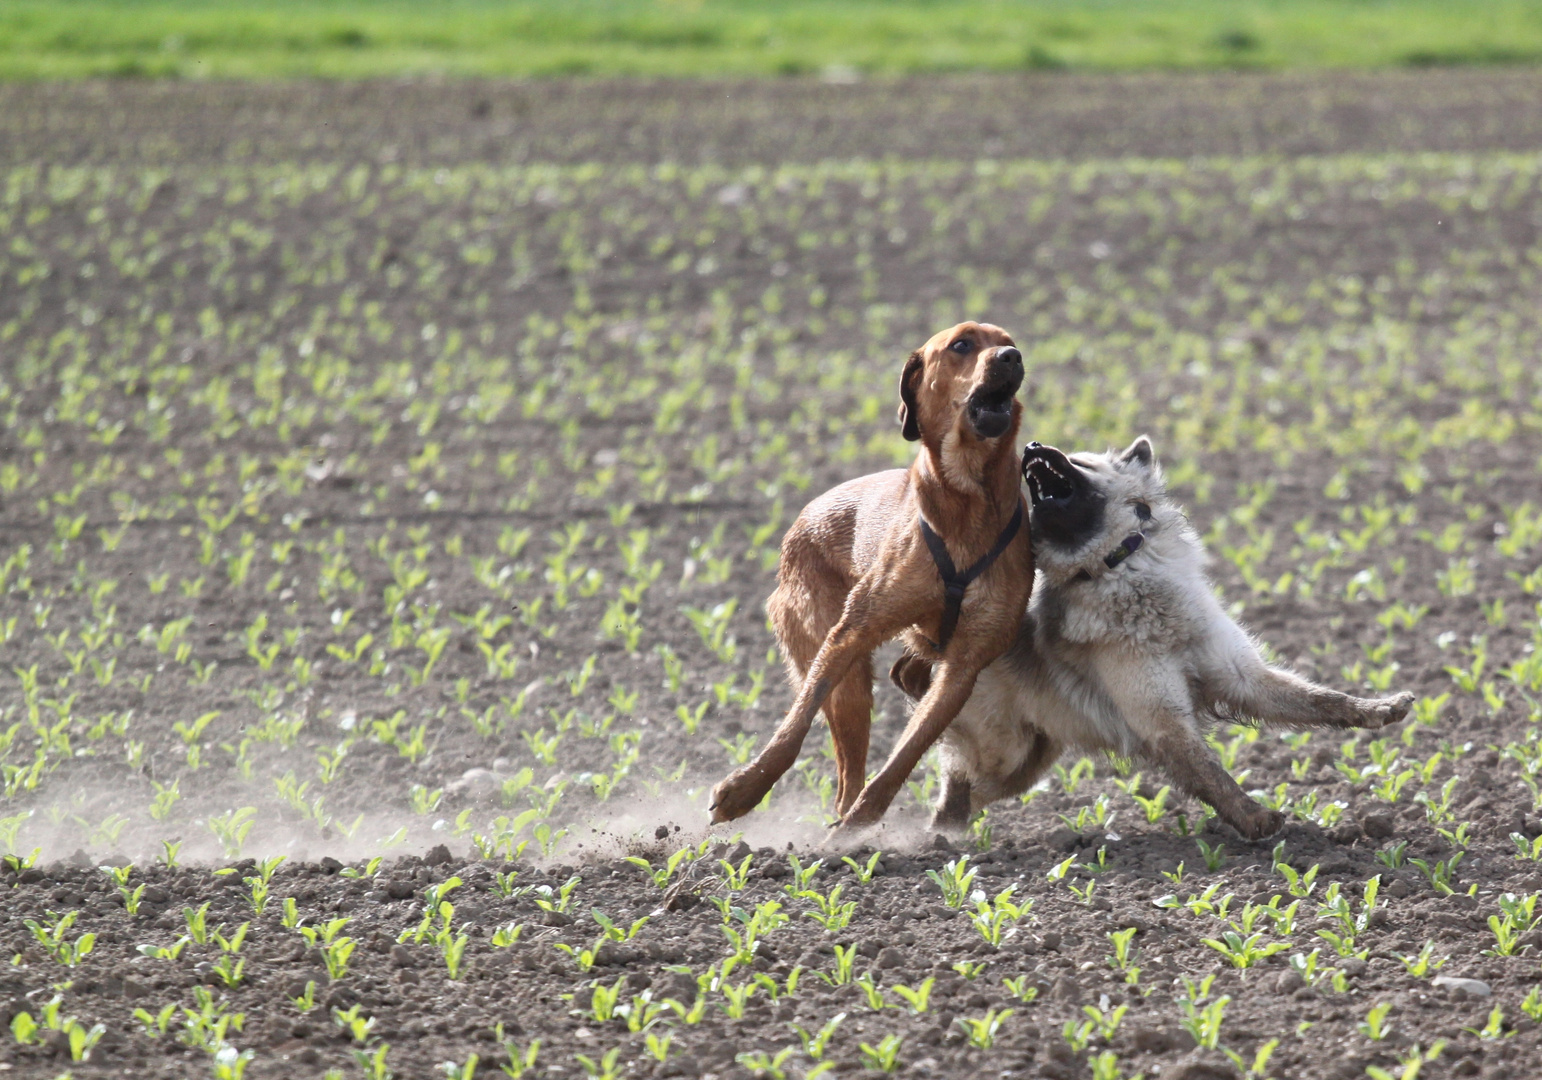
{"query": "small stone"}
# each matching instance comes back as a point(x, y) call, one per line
point(1353, 966)
point(891, 958)
point(1465, 987)
point(661, 833)
point(402, 957)
point(438, 855)
point(328, 865)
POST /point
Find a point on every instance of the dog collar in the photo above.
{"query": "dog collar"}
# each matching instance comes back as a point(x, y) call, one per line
point(1127, 547)
point(953, 582)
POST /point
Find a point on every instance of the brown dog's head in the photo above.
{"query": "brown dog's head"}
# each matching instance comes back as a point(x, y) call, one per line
point(963, 381)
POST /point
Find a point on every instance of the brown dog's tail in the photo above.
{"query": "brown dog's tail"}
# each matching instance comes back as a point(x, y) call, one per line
point(912, 674)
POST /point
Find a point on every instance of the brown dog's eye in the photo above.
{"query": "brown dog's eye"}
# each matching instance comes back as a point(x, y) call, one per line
point(1143, 511)
point(961, 346)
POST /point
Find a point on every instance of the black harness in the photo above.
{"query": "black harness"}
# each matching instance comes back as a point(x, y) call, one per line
point(1127, 547)
point(953, 582)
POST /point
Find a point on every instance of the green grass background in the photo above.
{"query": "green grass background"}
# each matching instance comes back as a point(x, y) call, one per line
point(357, 38)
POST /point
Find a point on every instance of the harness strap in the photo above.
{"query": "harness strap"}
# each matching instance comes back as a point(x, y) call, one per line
point(954, 583)
point(1127, 547)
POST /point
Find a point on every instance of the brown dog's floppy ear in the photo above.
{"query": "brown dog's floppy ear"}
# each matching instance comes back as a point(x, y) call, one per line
point(1139, 451)
point(910, 423)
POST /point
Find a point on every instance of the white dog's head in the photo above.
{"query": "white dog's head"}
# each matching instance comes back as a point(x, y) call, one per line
point(1093, 511)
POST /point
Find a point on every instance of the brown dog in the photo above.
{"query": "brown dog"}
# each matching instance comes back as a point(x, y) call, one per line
point(859, 568)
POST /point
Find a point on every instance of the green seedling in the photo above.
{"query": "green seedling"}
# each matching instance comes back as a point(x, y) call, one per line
point(354, 1026)
point(606, 1068)
point(916, 998)
point(764, 1064)
point(736, 878)
point(814, 1045)
point(1245, 952)
point(884, 1057)
point(662, 876)
point(306, 1001)
point(833, 914)
point(521, 1059)
point(955, 881)
point(155, 1025)
point(1495, 1028)
point(50, 936)
point(981, 1031)
point(840, 975)
point(1375, 1026)
point(863, 872)
point(1215, 857)
point(1412, 1062)
point(871, 991)
point(1423, 964)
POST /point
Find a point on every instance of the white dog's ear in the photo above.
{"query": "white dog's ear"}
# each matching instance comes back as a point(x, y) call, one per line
point(1139, 452)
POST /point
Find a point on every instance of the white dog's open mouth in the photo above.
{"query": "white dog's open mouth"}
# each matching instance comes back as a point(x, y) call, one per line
point(1047, 472)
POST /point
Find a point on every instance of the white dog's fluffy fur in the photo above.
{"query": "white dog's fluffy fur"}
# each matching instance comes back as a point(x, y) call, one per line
point(1133, 658)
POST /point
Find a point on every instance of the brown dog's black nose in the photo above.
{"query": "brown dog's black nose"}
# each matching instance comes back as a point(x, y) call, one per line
point(1009, 355)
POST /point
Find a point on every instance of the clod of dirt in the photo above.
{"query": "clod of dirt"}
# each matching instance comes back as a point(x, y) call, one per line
point(1201, 1065)
point(1378, 826)
point(1065, 989)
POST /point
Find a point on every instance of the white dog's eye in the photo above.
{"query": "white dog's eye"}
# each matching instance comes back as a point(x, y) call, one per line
point(1143, 511)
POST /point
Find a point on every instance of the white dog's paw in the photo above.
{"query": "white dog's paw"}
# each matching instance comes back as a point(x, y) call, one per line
point(1388, 711)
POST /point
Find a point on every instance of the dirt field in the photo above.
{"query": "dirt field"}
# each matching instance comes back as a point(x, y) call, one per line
point(392, 478)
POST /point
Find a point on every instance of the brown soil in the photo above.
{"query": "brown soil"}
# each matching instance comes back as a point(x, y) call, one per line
point(175, 166)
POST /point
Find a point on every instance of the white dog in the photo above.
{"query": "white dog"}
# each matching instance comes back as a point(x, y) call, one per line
point(1123, 648)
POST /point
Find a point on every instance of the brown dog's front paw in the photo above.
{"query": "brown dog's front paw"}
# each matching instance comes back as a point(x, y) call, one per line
point(1262, 824)
point(738, 794)
point(1384, 712)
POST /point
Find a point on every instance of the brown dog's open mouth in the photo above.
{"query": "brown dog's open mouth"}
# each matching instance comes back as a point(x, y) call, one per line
point(990, 412)
point(1048, 474)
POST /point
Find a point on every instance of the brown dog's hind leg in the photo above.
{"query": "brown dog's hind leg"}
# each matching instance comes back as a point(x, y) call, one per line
point(849, 712)
point(952, 684)
point(852, 640)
